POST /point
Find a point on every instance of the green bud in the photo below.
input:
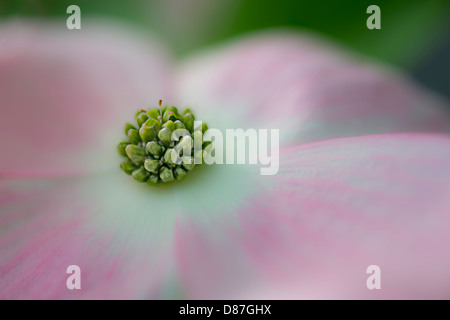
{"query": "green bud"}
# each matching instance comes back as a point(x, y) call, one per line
point(198, 156)
point(188, 121)
point(198, 139)
point(147, 134)
point(135, 153)
point(141, 118)
point(154, 148)
point(121, 148)
point(179, 125)
point(188, 111)
point(172, 109)
point(168, 109)
point(169, 125)
point(168, 157)
point(185, 142)
point(205, 144)
point(134, 137)
point(170, 115)
point(152, 123)
point(154, 113)
point(166, 175)
point(152, 165)
point(140, 175)
point(152, 155)
point(165, 135)
point(128, 127)
point(127, 167)
point(202, 128)
point(180, 173)
point(153, 180)
point(149, 129)
point(190, 166)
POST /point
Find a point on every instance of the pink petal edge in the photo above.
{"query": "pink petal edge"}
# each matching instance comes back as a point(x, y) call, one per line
point(65, 96)
point(335, 208)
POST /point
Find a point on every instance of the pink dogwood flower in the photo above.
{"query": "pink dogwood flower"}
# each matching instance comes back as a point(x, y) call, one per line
point(364, 173)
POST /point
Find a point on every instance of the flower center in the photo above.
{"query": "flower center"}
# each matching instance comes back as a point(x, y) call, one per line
point(163, 145)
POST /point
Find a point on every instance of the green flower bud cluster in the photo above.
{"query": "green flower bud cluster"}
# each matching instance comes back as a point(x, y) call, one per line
point(150, 151)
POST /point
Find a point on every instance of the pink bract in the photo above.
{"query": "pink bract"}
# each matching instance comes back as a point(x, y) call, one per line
point(364, 172)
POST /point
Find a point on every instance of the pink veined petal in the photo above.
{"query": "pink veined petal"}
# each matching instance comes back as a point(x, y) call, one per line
point(119, 232)
point(306, 87)
point(65, 95)
point(122, 244)
point(335, 208)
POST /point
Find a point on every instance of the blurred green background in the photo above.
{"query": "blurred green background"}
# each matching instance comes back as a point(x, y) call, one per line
point(414, 35)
